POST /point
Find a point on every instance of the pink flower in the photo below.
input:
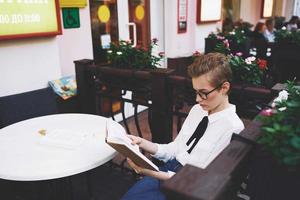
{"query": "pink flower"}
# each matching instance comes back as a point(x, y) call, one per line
point(249, 60)
point(220, 37)
point(154, 40)
point(161, 54)
point(267, 112)
point(226, 43)
point(239, 54)
point(196, 53)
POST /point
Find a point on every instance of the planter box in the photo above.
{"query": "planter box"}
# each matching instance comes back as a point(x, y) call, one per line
point(286, 61)
point(269, 180)
point(249, 99)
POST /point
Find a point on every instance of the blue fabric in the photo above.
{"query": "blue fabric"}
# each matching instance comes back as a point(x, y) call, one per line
point(18, 107)
point(149, 188)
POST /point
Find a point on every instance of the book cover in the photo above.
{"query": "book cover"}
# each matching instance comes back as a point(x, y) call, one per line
point(117, 138)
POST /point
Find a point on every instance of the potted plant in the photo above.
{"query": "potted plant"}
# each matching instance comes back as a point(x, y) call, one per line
point(249, 70)
point(275, 169)
point(281, 127)
point(283, 35)
point(229, 42)
point(127, 68)
point(248, 80)
point(124, 55)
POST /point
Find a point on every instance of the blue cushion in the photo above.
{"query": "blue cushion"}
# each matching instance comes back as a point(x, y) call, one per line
point(18, 107)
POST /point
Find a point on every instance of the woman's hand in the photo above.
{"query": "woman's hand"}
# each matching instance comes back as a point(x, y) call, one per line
point(136, 140)
point(135, 167)
point(147, 172)
point(146, 145)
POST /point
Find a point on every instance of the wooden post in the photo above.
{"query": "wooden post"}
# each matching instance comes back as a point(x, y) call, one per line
point(85, 91)
point(162, 119)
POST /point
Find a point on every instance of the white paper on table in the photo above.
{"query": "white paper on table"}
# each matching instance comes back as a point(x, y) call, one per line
point(63, 138)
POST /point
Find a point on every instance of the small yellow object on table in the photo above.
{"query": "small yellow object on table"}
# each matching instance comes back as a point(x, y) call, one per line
point(42, 132)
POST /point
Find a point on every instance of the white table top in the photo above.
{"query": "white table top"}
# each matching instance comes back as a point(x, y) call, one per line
point(25, 155)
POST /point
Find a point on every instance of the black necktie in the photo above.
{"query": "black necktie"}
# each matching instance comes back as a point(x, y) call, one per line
point(198, 133)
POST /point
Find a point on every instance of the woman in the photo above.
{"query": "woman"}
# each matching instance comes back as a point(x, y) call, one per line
point(269, 32)
point(205, 133)
point(293, 23)
point(259, 41)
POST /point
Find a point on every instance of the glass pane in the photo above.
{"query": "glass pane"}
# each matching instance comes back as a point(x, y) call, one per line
point(104, 22)
point(139, 14)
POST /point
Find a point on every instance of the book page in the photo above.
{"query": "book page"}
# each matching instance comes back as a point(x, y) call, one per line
point(119, 140)
point(116, 133)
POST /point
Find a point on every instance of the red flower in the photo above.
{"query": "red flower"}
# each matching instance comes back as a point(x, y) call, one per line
point(262, 64)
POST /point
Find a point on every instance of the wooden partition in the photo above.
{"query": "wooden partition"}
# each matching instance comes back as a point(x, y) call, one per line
point(148, 87)
point(286, 61)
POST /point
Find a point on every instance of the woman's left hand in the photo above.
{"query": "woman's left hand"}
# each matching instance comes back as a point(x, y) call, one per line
point(140, 170)
point(135, 167)
point(147, 172)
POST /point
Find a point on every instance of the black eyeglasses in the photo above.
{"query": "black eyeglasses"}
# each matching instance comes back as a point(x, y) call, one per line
point(204, 95)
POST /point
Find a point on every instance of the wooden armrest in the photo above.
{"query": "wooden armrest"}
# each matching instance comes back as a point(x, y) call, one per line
point(220, 178)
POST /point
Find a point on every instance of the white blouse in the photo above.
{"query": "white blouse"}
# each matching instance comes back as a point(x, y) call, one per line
point(217, 136)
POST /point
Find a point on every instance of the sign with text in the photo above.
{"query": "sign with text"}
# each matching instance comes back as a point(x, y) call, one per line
point(182, 16)
point(29, 18)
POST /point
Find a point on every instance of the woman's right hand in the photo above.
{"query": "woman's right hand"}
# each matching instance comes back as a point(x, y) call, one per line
point(136, 140)
point(146, 145)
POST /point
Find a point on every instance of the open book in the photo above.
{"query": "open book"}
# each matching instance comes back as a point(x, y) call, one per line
point(117, 138)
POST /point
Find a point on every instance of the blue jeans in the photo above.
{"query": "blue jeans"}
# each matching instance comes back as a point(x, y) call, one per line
point(148, 188)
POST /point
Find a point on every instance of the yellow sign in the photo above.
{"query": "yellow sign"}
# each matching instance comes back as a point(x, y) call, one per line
point(22, 18)
point(103, 13)
point(139, 12)
point(72, 3)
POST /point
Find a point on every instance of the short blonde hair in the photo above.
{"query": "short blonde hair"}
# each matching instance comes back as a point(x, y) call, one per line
point(216, 64)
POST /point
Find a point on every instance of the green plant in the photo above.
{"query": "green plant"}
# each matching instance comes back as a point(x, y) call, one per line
point(281, 127)
point(229, 42)
point(222, 44)
point(237, 36)
point(247, 70)
point(283, 35)
point(124, 55)
point(279, 22)
point(244, 27)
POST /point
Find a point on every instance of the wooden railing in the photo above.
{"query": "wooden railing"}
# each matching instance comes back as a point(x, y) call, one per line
point(221, 179)
point(148, 88)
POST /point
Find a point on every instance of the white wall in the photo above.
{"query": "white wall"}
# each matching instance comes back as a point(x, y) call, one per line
point(76, 43)
point(184, 44)
point(28, 64)
point(288, 9)
point(157, 26)
point(251, 11)
point(297, 8)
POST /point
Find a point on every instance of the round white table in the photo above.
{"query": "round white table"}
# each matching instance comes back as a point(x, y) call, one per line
point(27, 155)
